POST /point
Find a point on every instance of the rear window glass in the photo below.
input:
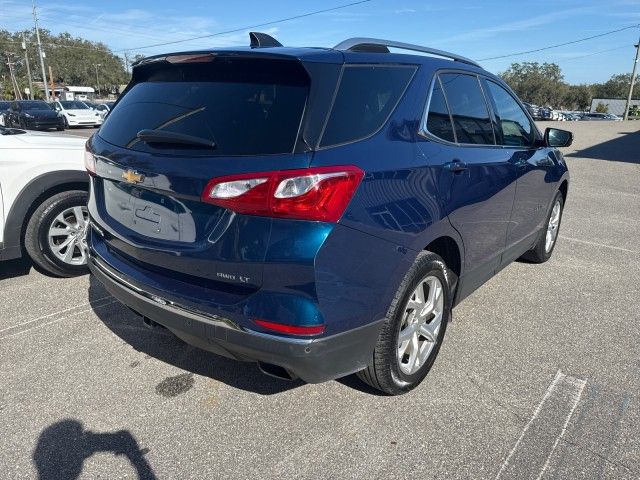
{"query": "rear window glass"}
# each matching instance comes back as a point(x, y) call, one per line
point(366, 97)
point(244, 106)
point(468, 108)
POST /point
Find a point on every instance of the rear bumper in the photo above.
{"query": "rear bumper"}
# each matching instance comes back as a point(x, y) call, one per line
point(312, 360)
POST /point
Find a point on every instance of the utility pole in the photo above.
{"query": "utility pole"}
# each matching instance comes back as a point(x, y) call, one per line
point(26, 60)
point(53, 90)
point(633, 79)
point(97, 79)
point(14, 82)
point(44, 74)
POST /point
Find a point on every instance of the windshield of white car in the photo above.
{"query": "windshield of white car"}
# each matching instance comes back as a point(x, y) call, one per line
point(74, 105)
point(11, 131)
point(34, 105)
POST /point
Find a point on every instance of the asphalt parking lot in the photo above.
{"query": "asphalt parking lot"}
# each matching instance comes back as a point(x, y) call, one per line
point(538, 377)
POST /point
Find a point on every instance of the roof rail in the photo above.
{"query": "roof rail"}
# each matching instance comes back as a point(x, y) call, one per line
point(363, 44)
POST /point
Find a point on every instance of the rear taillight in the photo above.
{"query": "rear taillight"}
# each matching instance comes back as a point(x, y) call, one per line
point(320, 193)
point(89, 162)
point(303, 330)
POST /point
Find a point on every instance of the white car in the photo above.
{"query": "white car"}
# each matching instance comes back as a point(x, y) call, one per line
point(77, 113)
point(43, 197)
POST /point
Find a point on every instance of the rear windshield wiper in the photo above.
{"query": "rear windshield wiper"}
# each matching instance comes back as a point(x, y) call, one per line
point(173, 138)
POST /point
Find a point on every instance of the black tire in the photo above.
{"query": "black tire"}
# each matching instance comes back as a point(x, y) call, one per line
point(60, 129)
point(384, 373)
point(539, 254)
point(36, 234)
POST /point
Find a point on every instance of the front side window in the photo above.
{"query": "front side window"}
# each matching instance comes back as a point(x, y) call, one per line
point(468, 109)
point(366, 97)
point(516, 129)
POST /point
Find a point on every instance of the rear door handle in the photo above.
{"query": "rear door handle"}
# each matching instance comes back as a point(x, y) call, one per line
point(456, 166)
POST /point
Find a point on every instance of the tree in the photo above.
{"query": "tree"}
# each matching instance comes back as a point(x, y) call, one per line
point(616, 87)
point(72, 60)
point(541, 84)
point(578, 97)
point(602, 108)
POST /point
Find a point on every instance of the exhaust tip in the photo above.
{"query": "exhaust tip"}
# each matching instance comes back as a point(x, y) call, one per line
point(276, 371)
point(151, 324)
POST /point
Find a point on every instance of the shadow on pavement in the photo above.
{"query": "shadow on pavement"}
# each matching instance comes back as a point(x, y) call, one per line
point(15, 268)
point(162, 345)
point(64, 446)
point(620, 149)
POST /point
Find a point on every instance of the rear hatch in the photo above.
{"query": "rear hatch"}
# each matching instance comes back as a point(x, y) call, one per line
point(205, 116)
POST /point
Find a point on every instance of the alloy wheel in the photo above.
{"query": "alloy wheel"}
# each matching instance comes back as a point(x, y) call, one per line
point(421, 323)
point(68, 235)
point(552, 228)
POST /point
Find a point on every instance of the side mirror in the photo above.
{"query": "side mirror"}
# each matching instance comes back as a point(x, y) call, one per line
point(554, 137)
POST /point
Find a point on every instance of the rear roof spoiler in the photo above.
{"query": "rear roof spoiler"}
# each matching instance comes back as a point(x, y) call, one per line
point(259, 39)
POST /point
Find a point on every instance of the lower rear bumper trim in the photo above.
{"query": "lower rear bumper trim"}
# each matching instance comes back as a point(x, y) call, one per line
point(312, 360)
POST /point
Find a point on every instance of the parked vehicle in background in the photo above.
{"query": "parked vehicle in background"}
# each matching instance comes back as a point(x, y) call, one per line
point(533, 110)
point(43, 210)
point(33, 114)
point(571, 116)
point(77, 113)
point(545, 113)
point(104, 108)
point(600, 117)
point(5, 105)
point(319, 211)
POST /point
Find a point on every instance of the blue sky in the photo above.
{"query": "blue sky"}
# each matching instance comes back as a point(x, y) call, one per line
point(476, 29)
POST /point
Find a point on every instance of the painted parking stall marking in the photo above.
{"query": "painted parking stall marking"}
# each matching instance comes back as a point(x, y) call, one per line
point(531, 454)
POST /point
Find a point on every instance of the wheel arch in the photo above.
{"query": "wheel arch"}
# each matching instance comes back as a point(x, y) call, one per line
point(451, 251)
point(564, 189)
point(33, 194)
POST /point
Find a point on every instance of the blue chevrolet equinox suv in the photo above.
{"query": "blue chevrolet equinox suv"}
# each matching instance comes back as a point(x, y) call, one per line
point(319, 211)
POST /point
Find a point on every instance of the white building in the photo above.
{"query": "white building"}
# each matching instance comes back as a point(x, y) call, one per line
point(77, 93)
point(616, 105)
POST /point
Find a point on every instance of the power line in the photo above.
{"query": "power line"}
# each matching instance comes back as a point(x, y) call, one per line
point(595, 53)
point(265, 24)
point(559, 44)
point(235, 30)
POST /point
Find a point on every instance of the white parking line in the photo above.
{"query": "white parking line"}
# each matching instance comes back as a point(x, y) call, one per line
point(563, 393)
point(53, 314)
point(602, 245)
point(35, 327)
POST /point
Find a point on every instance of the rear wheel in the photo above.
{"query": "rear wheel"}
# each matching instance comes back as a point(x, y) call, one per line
point(542, 250)
point(410, 338)
point(55, 237)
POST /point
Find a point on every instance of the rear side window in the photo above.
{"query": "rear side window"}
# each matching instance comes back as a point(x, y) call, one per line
point(468, 109)
point(366, 96)
point(245, 106)
point(516, 129)
point(438, 119)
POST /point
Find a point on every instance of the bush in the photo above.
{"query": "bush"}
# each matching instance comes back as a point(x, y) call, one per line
point(602, 108)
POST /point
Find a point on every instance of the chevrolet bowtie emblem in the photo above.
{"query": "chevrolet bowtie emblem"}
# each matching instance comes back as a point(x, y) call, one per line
point(131, 176)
